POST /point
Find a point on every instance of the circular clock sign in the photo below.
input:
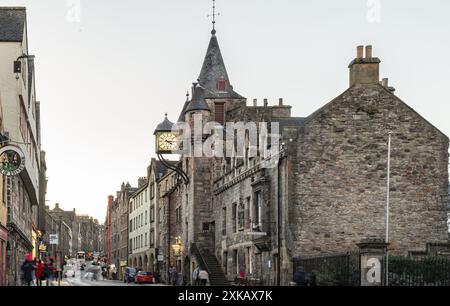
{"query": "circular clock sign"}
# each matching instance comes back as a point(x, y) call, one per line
point(12, 160)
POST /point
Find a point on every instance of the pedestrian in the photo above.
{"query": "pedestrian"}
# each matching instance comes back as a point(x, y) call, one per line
point(203, 276)
point(301, 278)
point(39, 273)
point(27, 270)
point(195, 276)
point(174, 276)
point(49, 272)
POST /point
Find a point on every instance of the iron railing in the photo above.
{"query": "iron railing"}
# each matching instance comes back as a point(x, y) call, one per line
point(334, 270)
point(420, 271)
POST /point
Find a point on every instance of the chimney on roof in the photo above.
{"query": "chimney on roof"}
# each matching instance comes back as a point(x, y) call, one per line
point(280, 102)
point(56, 205)
point(255, 102)
point(364, 69)
point(385, 84)
point(266, 102)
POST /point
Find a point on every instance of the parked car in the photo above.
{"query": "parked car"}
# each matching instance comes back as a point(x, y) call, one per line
point(130, 274)
point(144, 278)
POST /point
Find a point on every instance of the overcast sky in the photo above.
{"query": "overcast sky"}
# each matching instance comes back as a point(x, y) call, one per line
point(108, 72)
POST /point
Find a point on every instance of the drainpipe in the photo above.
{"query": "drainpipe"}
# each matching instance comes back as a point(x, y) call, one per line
point(168, 240)
point(279, 222)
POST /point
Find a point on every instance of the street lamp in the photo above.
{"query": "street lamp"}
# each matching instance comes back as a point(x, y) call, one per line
point(18, 63)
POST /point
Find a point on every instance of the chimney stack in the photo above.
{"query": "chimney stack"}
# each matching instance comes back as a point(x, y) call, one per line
point(266, 102)
point(368, 51)
point(360, 52)
point(364, 70)
point(280, 102)
point(255, 102)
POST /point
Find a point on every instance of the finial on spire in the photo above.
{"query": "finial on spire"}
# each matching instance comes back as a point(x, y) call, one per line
point(214, 14)
point(165, 115)
point(187, 96)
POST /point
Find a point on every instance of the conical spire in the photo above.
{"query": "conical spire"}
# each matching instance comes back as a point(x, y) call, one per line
point(198, 100)
point(214, 71)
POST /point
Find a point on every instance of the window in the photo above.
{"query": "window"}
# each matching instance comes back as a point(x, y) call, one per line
point(146, 217)
point(152, 237)
point(241, 216)
point(234, 216)
point(219, 112)
point(131, 244)
point(152, 214)
point(131, 226)
point(224, 221)
point(257, 211)
point(146, 239)
point(222, 85)
point(236, 261)
point(142, 219)
point(178, 215)
point(152, 191)
point(249, 269)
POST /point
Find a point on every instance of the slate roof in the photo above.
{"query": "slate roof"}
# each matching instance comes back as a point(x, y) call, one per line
point(198, 100)
point(166, 125)
point(160, 169)
point(12, 23)
point(213, 70)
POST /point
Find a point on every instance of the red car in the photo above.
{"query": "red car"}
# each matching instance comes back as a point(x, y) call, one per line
point(144, 278)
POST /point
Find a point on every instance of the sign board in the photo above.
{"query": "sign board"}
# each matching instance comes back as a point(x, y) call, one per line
point(12, 160)
point(160, 258)
point(53, 239)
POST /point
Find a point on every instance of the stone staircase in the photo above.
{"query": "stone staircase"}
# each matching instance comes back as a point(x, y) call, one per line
point(209, 261)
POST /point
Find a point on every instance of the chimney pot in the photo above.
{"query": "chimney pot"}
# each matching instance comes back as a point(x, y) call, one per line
point(255, 102)
point(360, 52)
point(368, 51)
point(280, 102)
point(266, 102)
point(385, 82)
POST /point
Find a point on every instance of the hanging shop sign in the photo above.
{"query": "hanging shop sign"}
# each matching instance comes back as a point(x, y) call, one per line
point(12, 160)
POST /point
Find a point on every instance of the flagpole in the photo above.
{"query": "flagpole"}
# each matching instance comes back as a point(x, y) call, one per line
point(388, 206)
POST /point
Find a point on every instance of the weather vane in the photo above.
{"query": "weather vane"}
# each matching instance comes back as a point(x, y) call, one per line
point(214, 14)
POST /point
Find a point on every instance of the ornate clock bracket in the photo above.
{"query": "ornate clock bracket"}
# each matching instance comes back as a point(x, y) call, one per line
point(178, 170)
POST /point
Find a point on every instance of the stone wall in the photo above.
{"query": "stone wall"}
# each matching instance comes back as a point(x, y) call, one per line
point(340, 175)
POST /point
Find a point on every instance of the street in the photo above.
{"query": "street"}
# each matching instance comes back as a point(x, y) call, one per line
point(83, 278)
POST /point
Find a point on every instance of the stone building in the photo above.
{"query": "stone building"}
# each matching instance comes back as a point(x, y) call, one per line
point(118, 230)
point(347, 140)
point(21, 123)
point(56, 224)
point(3, 213)
point(325, 191)
point(68, 217)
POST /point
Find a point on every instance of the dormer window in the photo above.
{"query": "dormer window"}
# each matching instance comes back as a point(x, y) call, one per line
point(222, 85)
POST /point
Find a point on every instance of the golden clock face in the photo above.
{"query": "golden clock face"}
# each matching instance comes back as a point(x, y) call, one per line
point(167, 142)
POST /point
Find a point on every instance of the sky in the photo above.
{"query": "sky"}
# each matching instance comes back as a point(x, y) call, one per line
point(108, 70)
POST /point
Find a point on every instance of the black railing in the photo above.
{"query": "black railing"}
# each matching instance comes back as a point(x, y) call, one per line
point(420, 271)
point(333, 270)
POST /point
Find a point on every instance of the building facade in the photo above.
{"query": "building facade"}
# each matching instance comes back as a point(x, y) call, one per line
point(21, 122)
point(118, 229)
point(3, 213)
point(323, 192)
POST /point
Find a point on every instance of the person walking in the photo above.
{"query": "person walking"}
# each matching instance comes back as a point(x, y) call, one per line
point(39, 273)
point(301, 278)
point(174, 276)
point(27, 270)
point(195, 276)
point(203, 276)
